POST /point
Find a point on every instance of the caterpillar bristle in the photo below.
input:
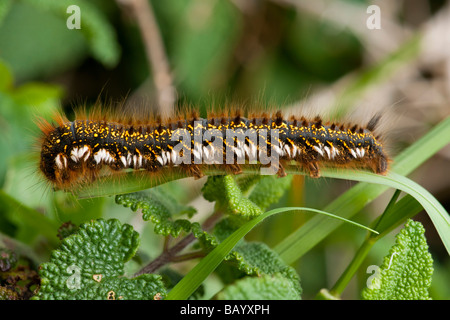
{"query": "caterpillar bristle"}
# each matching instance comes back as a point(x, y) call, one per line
point(318, 122)
point(371, 126)
point(278, 118)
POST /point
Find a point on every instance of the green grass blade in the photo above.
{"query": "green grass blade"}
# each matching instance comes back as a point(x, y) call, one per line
point(207, 265)
point(351, 202)
point(406, 208)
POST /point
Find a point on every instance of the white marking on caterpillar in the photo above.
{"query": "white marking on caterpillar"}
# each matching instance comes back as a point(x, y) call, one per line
point(74, 154)
point(295, 150)
point(160, 160)
point(319, 150)
point(334, 152)
point(58, 161)
point(247, 150)
point(327, 150)
point(363, 152)
point(288, 150)
point(174, 156)
point(168, 156)
point(206, 151)
point(253, 150)
point(278, 150)
point(353, 153)
point(197, 155)
point(124, 160)
point(238, 151)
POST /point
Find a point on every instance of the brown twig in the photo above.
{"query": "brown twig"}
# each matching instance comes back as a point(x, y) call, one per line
point(156, 55)
point(171, 254)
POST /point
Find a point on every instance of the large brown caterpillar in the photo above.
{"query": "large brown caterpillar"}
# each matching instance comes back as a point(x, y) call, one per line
point(74, 152)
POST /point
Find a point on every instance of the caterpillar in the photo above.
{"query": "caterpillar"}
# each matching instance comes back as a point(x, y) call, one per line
point(74, 152)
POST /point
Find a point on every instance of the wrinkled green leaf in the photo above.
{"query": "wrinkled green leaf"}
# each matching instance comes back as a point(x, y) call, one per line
point(228, 196)
point(407, 269)
point(90, 265)
point(257, 259)
point(159, 207)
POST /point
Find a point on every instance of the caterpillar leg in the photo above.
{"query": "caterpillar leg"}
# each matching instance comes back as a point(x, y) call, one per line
point(313, 168)
point(281, 173)
point(193, 171)
point(234, 168)
point(380, 165)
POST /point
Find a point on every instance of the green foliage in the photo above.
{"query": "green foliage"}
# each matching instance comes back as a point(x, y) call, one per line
point(159, 207)
point(257, 259)
point(90, 264)
point(97, 31)
point(228, 193)
point(41, 54)
point(228, 197)
point(407, 269)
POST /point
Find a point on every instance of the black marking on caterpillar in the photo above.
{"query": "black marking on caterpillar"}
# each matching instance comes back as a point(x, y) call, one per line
point(73, 152)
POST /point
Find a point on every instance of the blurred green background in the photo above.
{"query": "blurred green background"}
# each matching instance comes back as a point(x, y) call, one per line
point(305, 57)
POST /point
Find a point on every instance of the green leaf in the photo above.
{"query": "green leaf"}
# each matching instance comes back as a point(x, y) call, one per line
point(247, 181)
point(228, 196)
point(257, 259)
point(203, 45)
point(208, 264)
point(96, 29)
point(407, 269)
point(90, 265)
point(266, 287)
point(159, 207)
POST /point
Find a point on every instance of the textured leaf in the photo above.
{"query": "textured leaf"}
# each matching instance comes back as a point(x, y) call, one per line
point(159, 207)
point(225, 191)
point(247, 181)
point(90, 265)
point(407, 270)
point(267, 287)
point(254, 258)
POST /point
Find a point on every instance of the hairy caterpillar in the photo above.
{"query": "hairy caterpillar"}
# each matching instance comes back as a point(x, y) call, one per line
point(74, 152)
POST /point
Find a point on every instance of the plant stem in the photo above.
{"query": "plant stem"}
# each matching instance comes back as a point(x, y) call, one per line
point(354, 265)
point(170, 254)
point(362, 252)
point(189, 256)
